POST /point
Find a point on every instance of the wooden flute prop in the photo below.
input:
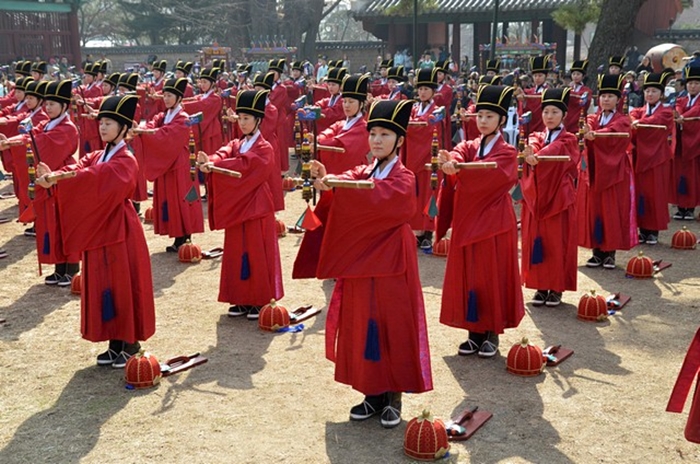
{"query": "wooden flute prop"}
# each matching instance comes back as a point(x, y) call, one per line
point(560, 158)
point(339, 183)
point(223, 171)
point(57, 177)
point(331, 149)
point(651, 126)
point(470, 166)
point(611, 134)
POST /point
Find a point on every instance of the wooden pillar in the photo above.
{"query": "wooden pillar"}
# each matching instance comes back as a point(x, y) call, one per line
point(559, 35)
point(547, 30)
point(74, 36)
point(577, 46)
point(482, 36)
point(534, 26)
point(504, 32)
point(391, 46)
point(456, 42)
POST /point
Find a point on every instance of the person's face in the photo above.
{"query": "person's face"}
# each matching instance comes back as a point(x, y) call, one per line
point(19, 94)
point(577, 76)
point(32, 102)
point(157, 74)
point(350, 107)
point(552, 116)
point(440, 76)
point(333, 88)
point(106, 88)
point(53, 108)
point(109, 129)
point(36, 75)
point(539, 78)
point(487, 121)
point(608, 101)
point(88, 79)
point(204, 85)
point(426, 57)
point(246, 123)
point(383, 72)
point(170, 100)
point(425, 93)
point(122, 90)
point(614, 70)
point(381, 142)
point(179, 74)
point(693, 87)
point(490, 73)
point(296, 74)
point(652, 95)
point(392, 84)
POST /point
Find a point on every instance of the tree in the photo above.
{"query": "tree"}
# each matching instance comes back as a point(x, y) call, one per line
point(99, 19)
point(575, 17)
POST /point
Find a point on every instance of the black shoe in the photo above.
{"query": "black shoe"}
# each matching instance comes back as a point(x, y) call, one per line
point(171, 249)
point(652, 239)
point(127, 352)
point(31, 232)
point(369, 407)
point(679, 215)
point(238, 310)
point(472, 344)
point(65, 280)
point(419, 240)
point(426, 244)
point(108, 357)
point(489, 348)
point(391, 414)
point(53, 279)
point(594, 261)
point(553, 299)
point(253, 312)
point(609, 261)
point(689, 214)
point(642, 237)
point(539, 298)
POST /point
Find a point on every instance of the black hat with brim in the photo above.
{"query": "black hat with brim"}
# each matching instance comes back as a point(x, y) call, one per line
point(252, 102)
point(121, 109)
point(494, 98)
point(390, 114)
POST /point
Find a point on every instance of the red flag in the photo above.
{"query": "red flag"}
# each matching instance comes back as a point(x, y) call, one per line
point(311, 221)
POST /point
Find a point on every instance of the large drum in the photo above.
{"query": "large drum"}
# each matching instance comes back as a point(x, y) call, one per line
point(666, 56)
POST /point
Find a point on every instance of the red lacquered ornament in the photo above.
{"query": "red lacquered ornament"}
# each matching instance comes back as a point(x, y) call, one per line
point(281, 228)
point(525, 359)
point(142, 370)
point(592, 307)
point(640, 267)
point(273, 317)
point(148, 215)
point(684, 240)
point(425, 438)
point(442, 247)
point(189, 253)
point(76, 284)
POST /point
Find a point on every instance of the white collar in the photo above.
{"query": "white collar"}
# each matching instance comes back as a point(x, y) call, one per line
point(245, 146)
point(351, 122)
point(421, 110)
point(691, 100)
point(555, 133)
point(106, 156)
point(606, 119)
point(19, 106)
point(383, 172)
point(208, 93)
point(658, 104)
point(55, 122)
point(488, 147)
point(334, 99)
point(171, 113)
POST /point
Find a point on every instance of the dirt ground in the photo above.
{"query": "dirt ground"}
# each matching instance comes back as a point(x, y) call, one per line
point(271, 398)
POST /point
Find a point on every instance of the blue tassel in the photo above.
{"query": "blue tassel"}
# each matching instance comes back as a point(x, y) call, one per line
point(472, 315)
point(517, 194)
point(245, 266)
point(584, 165)
point(640, 206)
point(683, 186)
point(598, 230)
point(537, 252)
point(372, 352)
point(433, 208)
point(108, 312)
point(200, 176)
point(164, 211)
point(86, 147)
point(47, 244)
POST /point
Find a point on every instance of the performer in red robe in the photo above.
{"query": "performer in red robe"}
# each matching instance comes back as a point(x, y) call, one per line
point(396, 77)
point(686, 163)
point(208, 135)
point(606, 213)
point(268, 128)
point(127, 85)
point(482, 290)
point(468, 116)
point(375, 329)
point(177, 208)
point(417, 152)
point(153, 103)
point(22, 69)
point(10, 117)
point(183, 70)
point(89, 134)
point(251, 273)
point(531, 98)
point(380, 86)
point(332, 106)
point(652, 154)
point(580, 96)
point(350, 136)
point(549, 243)
point(296, 88)
point(444, 92)
point(279, 98)
point(116, 303)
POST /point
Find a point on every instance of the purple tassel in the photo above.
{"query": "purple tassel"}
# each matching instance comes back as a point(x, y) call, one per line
point(245, 266)
point(598, 230)
point(164, 212)
point(683, 186)
point(640, 206)
point(108, 311)
point(472, 315)
point(47, 244)
point(537, 256)
point(372, 352)
point(86, 147)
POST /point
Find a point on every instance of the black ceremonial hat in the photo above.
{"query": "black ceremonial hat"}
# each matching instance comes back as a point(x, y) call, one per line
point(489, 80)
point(390, 114)
point(298, 65)
point(252, 102)
point(209, 74)
point(101, 67)
point(218, 63)
point(176, 86)
point(396, 73)
point(59, 91)
point(616, 61)
point(386, 64)
point(121, 109)
point(336, 75)
point(160, 65)
point(443, 66)
point(23, 68)
point(185, 67)
point(21, 83)
point(40, 67)
point(36, 88)
point(355, 87)
point(692, 73)
point(277, 65)
point(244, 68)
point(580, 66)
point(91, 69)
point(609, 83)
point(540, 64)
point(557, 97)
point(335, 64)
point(657, 80)
point(265, 80)
point(427, 78)
point(493, 65)
point(129, 80)
point(494, 98)
point(113, 79)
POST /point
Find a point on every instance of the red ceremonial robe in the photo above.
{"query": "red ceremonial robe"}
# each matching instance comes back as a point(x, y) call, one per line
point(533, 103)
point(375, 329)
point(295, 89)
point(89, 128)
point(9, 128)
point(443, 96)
point(320, 92)
point(574, 113)
point(330, 114)
point(136, 147)
point(177, 207)
point(153, 105)
point(415, 154)
point(549, 240)
point(11, 109)
point(18, 156)
point(379, 87)
point(395, 95)
point(482, 291)
point(278, 97)
point(686, 163)
point(268, 128)
point(471, 131)
point(97, 219)
point(210, 128)
point(652, 156)
point(251, 273)
point(8, 100)
point(355, 141)
point(56, 148)
point(606, 213)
